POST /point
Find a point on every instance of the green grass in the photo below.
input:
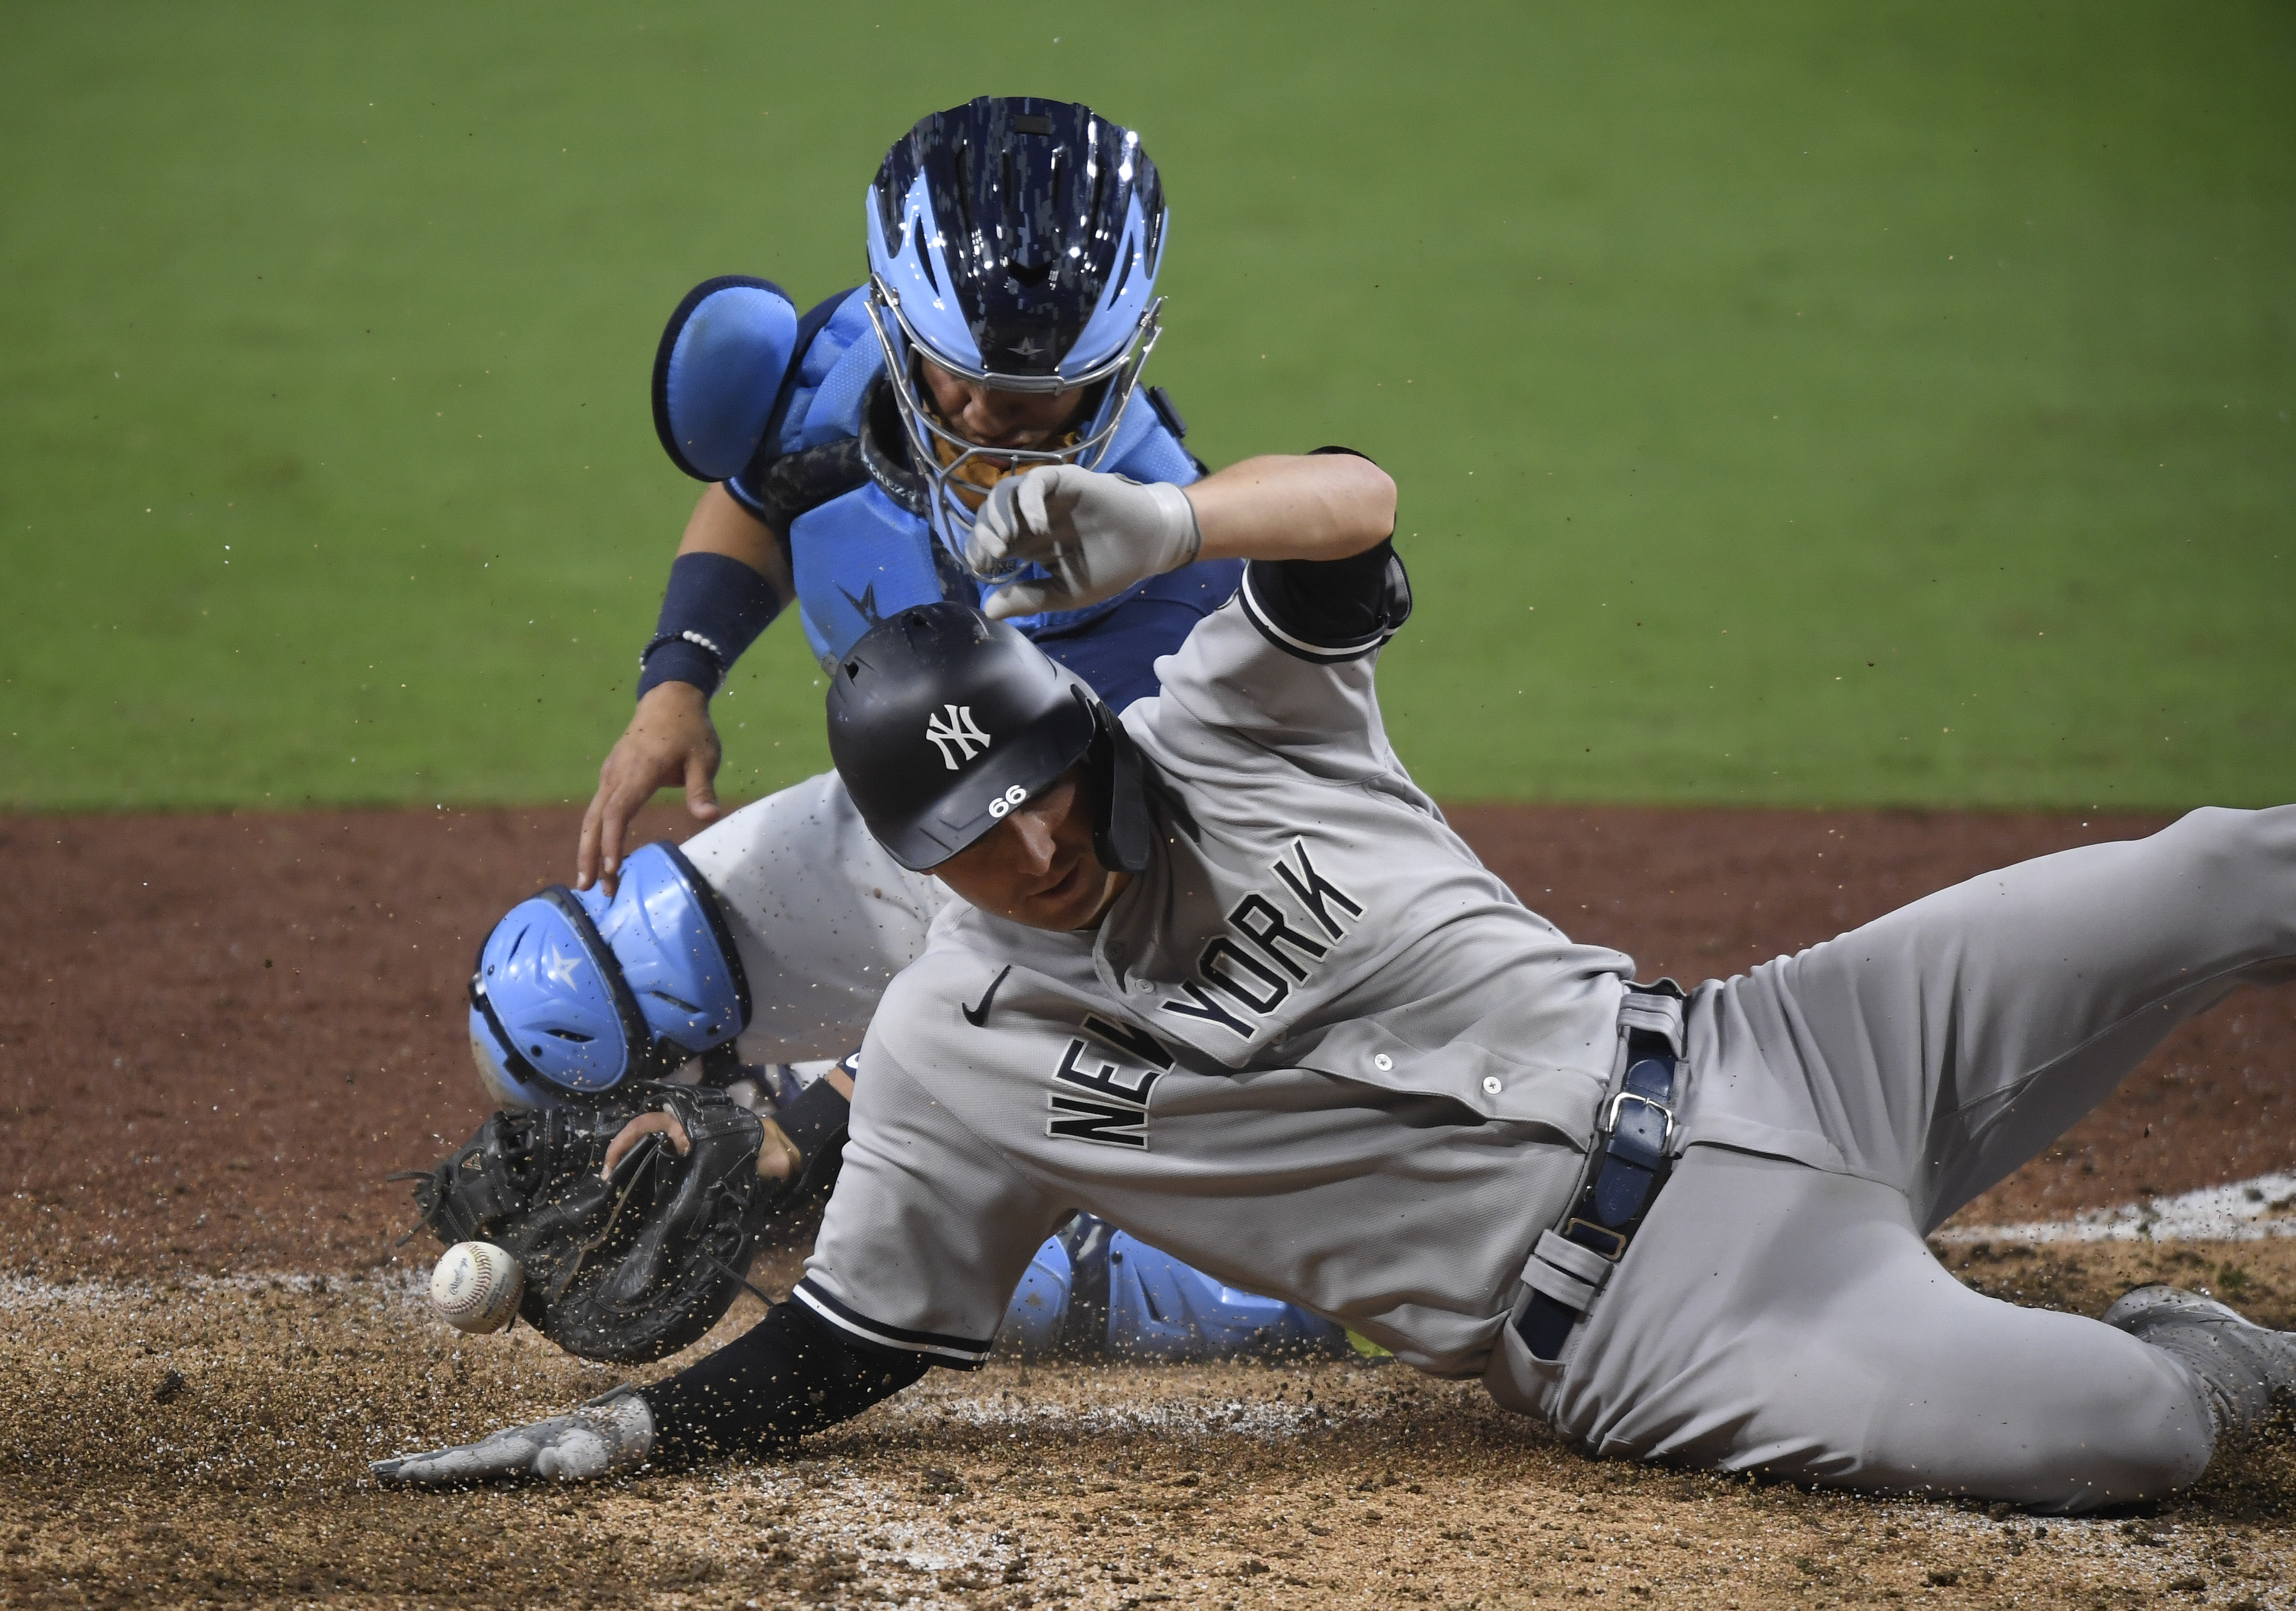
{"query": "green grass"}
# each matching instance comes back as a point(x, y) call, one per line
point(1792, 403)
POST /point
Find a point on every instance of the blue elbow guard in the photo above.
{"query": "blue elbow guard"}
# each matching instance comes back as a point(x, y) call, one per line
point(718, 373)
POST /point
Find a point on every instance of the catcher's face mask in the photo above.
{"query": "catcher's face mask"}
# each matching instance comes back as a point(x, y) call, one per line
point(958, 471)
point(1015, 243)
point(999, 427)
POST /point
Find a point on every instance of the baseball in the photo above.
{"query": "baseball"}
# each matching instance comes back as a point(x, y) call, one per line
point(477, 1287)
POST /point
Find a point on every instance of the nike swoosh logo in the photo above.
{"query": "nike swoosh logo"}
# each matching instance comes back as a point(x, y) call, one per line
point(978, 1016)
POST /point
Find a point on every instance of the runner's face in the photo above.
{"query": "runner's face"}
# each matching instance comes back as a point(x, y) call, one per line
point(991, 418)
point(1036, 867)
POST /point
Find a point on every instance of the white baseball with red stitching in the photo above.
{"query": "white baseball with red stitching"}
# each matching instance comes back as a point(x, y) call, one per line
point(477, 1287)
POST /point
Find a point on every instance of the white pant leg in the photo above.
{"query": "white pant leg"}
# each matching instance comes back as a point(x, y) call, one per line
point(1787, 1317)
point(1938, 1048)
point(1770, 1317)
point(822, 916)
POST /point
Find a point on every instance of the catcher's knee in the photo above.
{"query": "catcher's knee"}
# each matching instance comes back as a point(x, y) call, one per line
point(576, 991)
point(1160, 1308)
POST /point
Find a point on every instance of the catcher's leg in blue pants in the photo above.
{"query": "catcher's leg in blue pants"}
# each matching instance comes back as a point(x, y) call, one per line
point(1779, 1310)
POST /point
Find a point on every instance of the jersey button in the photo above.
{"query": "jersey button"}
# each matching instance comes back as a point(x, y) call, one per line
point(1491, 1084)
point(1383, 1063)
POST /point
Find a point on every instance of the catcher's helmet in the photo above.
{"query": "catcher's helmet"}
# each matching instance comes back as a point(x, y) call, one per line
point(941, 721)
point(1015, 243)
point(574, 991)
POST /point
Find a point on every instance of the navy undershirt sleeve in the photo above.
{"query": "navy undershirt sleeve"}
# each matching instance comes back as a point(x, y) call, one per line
point(785, 1377)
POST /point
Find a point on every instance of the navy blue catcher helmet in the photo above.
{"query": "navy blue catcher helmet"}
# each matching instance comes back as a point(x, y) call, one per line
point(942, 721)
point(1014, 242)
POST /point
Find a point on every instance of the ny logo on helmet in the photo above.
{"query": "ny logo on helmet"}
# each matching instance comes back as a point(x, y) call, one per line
point(958, 729)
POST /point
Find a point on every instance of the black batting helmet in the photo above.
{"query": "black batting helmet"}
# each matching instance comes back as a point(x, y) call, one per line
point(941, 721)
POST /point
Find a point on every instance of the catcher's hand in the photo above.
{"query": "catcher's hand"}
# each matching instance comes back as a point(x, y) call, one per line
point(668, 743)
point(1096, 534)
point(613, 1433)
point(778, 1158)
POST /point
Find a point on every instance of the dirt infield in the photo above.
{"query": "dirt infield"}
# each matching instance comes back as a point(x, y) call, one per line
point(218, 1034)
point(211, 1453)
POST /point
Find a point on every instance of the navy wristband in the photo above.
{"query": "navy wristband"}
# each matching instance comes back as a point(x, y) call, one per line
point(713, 608)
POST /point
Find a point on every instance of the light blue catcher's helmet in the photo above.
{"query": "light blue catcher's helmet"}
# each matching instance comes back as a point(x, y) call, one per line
point(1015, 243)
point(574, 994)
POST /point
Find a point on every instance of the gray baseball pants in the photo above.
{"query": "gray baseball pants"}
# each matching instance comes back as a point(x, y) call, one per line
point(1779, 1311)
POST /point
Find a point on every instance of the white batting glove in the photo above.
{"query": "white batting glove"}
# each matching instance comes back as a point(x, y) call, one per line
point(614, 1433)
point(1097, 534)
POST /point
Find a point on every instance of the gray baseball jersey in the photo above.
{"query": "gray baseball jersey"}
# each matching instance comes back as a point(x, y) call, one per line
point(1315, 1050)
point(1319, 1051)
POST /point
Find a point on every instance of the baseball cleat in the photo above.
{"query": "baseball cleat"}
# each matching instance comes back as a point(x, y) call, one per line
point(2244, 1366)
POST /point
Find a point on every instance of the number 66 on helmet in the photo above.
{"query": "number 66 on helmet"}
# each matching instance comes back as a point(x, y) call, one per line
point(574, 992)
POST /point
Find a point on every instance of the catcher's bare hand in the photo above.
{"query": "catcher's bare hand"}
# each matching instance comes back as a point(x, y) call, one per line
point(669, 741)
point(610, 1434)
point(1096, 535)
point(637, 1130)
point(778, 1158)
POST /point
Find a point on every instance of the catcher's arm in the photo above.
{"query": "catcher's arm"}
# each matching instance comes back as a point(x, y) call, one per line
point(670, 742)
point(787, 1376)
point(802, 1141)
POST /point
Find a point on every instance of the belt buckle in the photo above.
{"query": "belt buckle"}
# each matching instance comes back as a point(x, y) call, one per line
point(1610, 1118)
point(1617, 1238)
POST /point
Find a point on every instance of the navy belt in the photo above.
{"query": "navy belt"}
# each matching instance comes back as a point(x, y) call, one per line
point(1628, 1162)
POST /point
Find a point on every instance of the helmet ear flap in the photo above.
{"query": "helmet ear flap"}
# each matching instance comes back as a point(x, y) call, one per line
point(1120, 838)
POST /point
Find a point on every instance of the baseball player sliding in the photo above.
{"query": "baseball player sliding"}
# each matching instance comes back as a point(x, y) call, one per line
point(1217, 970)
point(1013, 245)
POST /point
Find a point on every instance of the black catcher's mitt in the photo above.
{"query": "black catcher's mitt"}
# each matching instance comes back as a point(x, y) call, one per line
point(628, 1270)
